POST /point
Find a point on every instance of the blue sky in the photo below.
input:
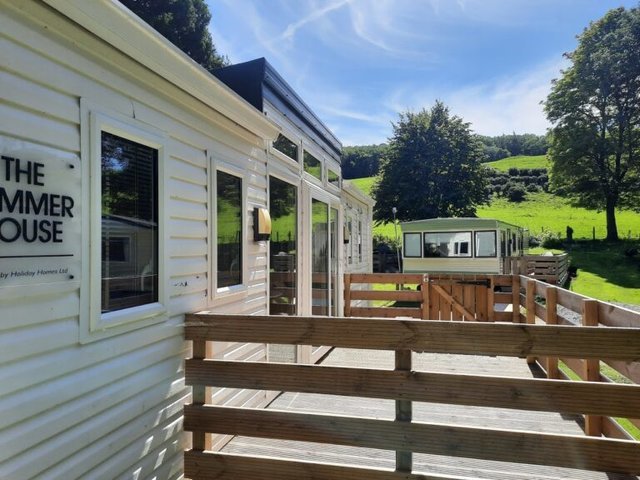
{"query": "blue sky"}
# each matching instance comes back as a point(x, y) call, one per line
point(358, 63)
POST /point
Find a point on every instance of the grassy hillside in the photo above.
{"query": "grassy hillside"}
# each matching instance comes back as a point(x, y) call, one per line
point(520, 161)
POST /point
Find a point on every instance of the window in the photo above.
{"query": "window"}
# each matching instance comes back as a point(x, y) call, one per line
point(412, 245)
point(312, 165)
point(283, 206)
point(333, 178)
point(286, 146)
point(486, 244)
point(129, 267)
point(447, 244)
point(229, 229)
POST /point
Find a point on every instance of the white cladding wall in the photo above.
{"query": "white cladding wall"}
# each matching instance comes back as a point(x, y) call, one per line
point(112, 408)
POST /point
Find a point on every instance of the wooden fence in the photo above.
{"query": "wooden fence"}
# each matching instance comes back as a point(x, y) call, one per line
point(524, 300)
point(552, 269)
point(405, 386)
point(550, 305)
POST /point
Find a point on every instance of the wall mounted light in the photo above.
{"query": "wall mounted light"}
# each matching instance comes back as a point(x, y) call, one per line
point(261, 224)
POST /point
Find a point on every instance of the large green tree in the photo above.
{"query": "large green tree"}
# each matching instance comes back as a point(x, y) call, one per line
point(432, 168)
point(595, 110)
point(185, 24)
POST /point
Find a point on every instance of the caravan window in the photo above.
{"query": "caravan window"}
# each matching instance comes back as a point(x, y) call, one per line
point(286, 146)
point(486, 244)
point(312, 165)
point(412, 245)
point(447, 244)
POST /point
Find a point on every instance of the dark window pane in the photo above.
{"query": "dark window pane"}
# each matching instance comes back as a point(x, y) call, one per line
point(447, 244)
point(312, 165)
point(286, 146)
point(229, 222)
point(283, 298)
point(129, 223)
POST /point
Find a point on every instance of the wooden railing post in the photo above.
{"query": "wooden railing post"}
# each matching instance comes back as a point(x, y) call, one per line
point(530, 304)
point(592, 423)
point(491, 301)
point(404, 412)
point(347, 295)
point(201, 394)
point(424, 287)
point(552, 319)
point(515, 286)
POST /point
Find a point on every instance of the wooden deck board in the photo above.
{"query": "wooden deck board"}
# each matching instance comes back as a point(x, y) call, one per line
point(439, 413)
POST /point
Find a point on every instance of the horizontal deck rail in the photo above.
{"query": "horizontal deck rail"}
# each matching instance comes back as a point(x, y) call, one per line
point(405, 386)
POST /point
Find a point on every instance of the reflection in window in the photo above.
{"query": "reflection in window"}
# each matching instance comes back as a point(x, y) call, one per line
point(333, 178)
point(320, 257)
point(283, 298)
point(486, 244)
point(412, 245)
point(286, 146)
point(333, 229)
point(229, 229)
point(129, 223)
point(312, 165)
point(447, 244)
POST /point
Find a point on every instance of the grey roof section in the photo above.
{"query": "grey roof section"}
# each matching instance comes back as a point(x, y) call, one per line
point(257, 81)
point(446, 224)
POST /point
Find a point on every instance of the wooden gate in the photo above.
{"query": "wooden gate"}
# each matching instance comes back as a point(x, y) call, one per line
point(429, 297)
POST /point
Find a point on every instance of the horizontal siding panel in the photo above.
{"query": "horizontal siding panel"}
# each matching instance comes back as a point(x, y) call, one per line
point(190, 302)
point(182, 266)
point(189, 284)
point(39, 369)
point(187, 172)
point(49, 132)
point(40, 99)
point(187, 191)
point(187, 210)
point(180, 228)
point(35, 339)
point(18, 313)
point(21, 437)
point(86, 445)
point(191, 247)
point(190, 161)
point(31, 64)
point(68, 387)
point(168, 454)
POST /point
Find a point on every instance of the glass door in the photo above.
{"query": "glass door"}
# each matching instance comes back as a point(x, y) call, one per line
point(320, 285)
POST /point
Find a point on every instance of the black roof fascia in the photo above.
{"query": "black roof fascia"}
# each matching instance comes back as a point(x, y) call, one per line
point(245, 79)
point(256, 81)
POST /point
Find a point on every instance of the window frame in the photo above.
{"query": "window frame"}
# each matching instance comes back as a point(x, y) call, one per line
point(495, 243)
point(102, 325)
point(471, 250)
point(240, 288)
point(420, 244)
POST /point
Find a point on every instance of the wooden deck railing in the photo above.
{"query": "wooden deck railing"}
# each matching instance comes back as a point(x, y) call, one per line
point(552, 269)
point(406, 386)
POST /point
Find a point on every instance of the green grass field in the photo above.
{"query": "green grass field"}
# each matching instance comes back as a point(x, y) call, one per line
point(520, 161)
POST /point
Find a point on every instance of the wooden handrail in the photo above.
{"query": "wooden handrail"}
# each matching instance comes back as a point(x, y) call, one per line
point(405, 386)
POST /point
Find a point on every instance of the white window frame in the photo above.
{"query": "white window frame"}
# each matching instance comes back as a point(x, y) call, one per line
point(94, 324)
point(232, 291)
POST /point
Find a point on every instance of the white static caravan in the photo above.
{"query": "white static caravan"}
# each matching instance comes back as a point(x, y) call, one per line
point(460, 245)
point(122, 164)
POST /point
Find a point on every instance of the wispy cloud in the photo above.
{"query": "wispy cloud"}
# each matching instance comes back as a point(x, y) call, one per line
point(312, 16)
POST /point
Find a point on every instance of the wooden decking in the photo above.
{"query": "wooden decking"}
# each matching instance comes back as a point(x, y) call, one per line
point(457, 467)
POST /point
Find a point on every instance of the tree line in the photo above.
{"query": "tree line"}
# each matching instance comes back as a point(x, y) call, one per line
point(364, 161)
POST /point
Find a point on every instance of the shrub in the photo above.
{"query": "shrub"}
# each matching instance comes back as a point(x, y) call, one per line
point(513, 172)
point(550, 239)
point(515, 192)
point(533, 188)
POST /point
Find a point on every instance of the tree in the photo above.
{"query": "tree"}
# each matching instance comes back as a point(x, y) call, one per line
point(595, 109)
point(185, 24)
point(432, 168)
point(361, 161)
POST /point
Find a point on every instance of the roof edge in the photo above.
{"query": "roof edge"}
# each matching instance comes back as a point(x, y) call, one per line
point(115, 24)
